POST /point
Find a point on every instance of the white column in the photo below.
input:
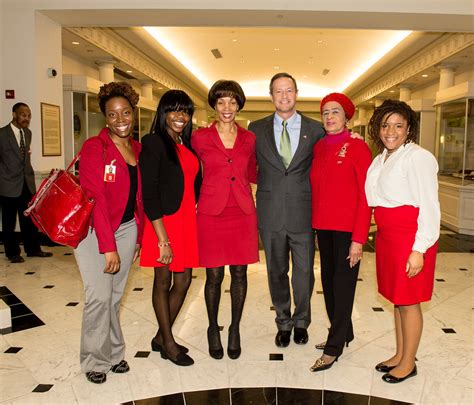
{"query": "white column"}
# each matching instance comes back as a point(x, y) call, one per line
point(147, 90)
point(446, 77)
point(106, 72)
point(378, 102)
point(405, 92)
point(362, 113)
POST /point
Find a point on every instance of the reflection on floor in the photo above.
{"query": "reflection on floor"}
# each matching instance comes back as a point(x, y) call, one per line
point(39, 363)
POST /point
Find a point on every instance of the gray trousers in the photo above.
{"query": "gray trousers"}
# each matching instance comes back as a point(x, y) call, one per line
point(277, 246)
point(102, 342)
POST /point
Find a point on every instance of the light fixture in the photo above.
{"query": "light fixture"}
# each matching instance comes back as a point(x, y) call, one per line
point(234, 40)
point(425, 75)
point(276, 49)
point(129, 71)
point(392, 91)
point(276, 67)
point(75, 43)
point(319, 41)
point(160, 88)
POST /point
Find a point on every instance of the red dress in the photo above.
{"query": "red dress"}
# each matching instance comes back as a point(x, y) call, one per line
point(180, 226)
point(396, 230)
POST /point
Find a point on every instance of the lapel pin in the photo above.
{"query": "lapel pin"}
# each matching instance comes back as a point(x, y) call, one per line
point(304, 136)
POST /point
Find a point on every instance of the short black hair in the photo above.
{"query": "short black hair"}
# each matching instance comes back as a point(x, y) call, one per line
point(388, 108)
point(117, 89)
point(18, 105)
point(279, 76)
point(226, 88)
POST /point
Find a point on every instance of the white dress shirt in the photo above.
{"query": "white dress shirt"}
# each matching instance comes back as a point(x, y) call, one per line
point(408, 177)
point(16, 131)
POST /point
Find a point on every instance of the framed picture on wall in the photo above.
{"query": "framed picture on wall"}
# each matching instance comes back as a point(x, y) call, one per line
point(51, 129)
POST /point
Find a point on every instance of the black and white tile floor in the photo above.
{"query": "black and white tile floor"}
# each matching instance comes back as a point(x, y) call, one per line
point(39, 357)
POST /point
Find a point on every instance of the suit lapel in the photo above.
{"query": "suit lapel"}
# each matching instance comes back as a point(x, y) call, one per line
point(217, 140)
point(303, 144)
point(13, 142)
point(269, 134)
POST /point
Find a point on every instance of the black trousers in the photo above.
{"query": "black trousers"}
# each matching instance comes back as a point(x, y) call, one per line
point(339, 284)
point(11, 206)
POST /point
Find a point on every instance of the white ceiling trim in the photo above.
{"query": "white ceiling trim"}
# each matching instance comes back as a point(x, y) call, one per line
point(451, 44)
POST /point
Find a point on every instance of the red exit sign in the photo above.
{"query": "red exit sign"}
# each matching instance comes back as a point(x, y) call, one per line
point(9, 93)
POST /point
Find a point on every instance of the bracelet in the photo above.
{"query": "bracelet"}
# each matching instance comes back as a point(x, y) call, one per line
point(163, 244)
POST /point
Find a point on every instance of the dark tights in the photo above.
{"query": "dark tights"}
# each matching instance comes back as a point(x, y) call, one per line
point(238, 292)
point(167, 301)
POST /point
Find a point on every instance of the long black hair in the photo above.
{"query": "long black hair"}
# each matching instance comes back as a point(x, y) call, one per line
point(173, 100)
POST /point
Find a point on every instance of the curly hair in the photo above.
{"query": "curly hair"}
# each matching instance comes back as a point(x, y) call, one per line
point(117, 89)
point(381, 114)
point(226, 88)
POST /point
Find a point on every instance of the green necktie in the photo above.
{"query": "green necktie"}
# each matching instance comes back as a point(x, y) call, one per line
point(285, 145)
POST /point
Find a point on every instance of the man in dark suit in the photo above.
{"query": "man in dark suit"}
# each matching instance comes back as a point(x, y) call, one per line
point(17, 185)
point(284, 147)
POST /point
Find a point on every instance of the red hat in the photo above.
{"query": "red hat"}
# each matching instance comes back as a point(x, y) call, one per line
point(346, 104)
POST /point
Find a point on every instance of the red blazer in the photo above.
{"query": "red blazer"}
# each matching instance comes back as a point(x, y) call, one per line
point(225, 168)
point(337, 179)
point(110, 198)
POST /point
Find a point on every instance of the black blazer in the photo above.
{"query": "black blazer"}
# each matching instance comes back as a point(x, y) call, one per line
point(162, 179)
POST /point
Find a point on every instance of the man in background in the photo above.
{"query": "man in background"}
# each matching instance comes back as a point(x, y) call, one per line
point(17, 186)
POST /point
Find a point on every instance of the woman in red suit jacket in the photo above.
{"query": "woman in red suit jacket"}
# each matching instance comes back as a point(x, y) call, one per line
point(109, 174)
point(226, 216)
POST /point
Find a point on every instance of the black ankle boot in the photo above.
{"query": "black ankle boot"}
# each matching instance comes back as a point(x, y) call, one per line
point(233, 344)
point(216, 351)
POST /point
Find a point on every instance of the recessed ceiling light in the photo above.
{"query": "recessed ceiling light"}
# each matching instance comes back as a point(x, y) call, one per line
point(425, 75)
point(276, 67)
point(392, 91)
point(234, 39)
point(160, 88)
point(319, 41)
point(129, 71)
point(75, 43)
point(276, 49)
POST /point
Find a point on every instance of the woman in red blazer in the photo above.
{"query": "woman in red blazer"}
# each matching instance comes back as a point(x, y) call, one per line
point(226, 216)
point(109, 174)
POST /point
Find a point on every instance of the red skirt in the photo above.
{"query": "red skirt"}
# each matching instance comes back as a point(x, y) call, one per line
point(180, 227)
point(396, 229)
point(228, 238)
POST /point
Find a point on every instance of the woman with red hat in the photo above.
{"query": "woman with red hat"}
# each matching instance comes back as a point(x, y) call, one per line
point(341, 218)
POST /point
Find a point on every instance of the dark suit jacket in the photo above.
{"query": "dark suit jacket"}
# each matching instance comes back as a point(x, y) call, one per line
point(13, 171)
point(162, 179)
point(284, 195)
point(225, 169)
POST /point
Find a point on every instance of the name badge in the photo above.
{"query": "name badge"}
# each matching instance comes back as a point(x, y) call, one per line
point(109, 173)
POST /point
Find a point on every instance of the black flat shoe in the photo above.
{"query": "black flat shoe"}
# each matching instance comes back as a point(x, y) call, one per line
point(96, 377)
point(120, 368)
point(391, 379)
point(156, 347)
point(16, 259)
point(182, 359)
point(39, 253)
point(234, 340)
point(321, 365)
point(216, 351)
point(300, 336)
point(383, 368)
point(282, 339)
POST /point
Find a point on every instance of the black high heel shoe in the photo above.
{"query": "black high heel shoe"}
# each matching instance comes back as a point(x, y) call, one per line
point(156, 347)
point(216, 351)
point(234, 340)
point(321, 365)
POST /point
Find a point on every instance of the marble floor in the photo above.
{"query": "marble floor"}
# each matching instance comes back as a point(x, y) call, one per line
point(39, 358)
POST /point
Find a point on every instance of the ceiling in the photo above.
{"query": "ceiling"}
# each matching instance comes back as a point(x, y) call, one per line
point(322, 60)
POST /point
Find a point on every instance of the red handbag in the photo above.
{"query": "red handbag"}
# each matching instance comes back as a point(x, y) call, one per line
point(60, 208)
